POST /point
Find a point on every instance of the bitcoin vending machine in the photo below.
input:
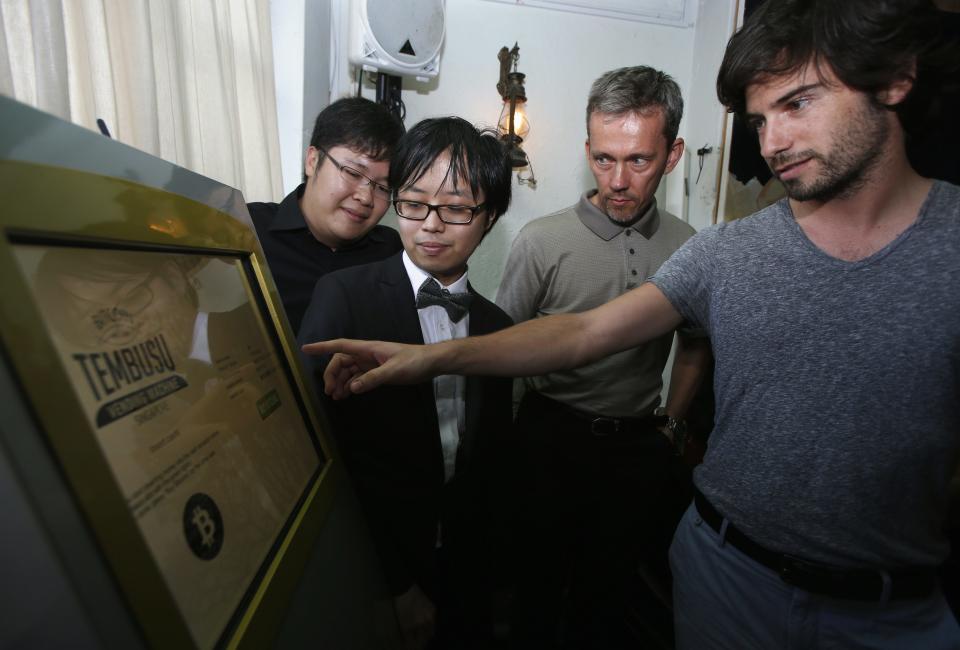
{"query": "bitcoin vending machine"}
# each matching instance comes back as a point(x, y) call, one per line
point(166, 478)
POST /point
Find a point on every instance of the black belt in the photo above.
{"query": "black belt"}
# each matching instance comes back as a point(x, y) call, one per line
point(824, 579)
point(600, 425)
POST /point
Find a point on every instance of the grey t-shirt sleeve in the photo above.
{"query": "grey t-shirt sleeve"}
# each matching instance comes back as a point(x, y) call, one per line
point(686, 278)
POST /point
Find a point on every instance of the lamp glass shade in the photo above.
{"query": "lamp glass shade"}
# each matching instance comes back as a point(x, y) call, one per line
point(521, 125)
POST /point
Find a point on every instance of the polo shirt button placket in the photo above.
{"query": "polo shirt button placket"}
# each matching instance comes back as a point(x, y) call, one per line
point(631, 282)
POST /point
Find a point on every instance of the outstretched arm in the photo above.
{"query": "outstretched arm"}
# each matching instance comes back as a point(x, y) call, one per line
point(531, 348)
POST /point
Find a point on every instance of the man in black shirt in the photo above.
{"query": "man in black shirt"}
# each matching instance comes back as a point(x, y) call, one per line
point(330, 221)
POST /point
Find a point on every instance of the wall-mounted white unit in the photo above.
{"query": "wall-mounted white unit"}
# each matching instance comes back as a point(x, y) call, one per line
point(401, 38)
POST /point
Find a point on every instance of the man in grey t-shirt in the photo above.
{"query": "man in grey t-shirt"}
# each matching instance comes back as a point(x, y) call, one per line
point(835, 321)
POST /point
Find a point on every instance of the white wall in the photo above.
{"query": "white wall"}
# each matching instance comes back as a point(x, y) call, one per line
point(561, 53)
point(317, 54)
point(301, 63)
point(287, 26)
point(705, 116)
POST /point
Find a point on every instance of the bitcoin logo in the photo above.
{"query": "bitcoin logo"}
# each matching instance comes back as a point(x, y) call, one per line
point(203, 522)
point(203, 526)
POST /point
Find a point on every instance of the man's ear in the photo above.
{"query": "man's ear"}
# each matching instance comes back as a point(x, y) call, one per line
point(586, 148)
point(488, 223)
point(310, 161)
point(674, 155)
point(900, 87)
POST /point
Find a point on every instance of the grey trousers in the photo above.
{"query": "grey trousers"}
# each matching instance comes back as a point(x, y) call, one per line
point(724, 600)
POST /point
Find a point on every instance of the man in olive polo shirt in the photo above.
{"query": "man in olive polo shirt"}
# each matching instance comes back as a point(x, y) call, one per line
point(330, 221)
point(605, 491)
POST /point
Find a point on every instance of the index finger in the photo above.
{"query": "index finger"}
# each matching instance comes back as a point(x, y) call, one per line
point(332, 346)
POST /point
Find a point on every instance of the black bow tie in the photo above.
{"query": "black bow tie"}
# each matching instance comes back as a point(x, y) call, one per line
point(456, 304)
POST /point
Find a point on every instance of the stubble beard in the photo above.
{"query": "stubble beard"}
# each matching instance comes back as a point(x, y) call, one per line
point(618, 214)
point(623, 215)
point(848, 166)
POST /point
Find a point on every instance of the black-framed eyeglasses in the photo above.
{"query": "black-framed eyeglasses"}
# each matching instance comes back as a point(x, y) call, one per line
point(356, 178)
point(459, 215)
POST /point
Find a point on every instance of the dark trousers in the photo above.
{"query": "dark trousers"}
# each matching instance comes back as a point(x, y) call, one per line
point(459, 581)
point(462, 598)
point(597, 507)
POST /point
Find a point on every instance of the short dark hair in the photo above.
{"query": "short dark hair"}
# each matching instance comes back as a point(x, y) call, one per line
point(868, 44)
point(638, 89)
point(359, 124)
point(477, 157)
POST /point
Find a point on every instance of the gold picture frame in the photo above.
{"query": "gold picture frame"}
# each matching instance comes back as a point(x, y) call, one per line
point(145, 404)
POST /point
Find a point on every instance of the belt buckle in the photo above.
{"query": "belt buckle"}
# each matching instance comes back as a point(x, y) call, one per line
point(799, 572)
point(601, 427)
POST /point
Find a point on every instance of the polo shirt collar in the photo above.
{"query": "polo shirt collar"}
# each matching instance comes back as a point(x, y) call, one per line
point(601, 225)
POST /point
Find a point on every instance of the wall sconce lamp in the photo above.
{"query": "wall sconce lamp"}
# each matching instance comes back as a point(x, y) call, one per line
point(513, 123)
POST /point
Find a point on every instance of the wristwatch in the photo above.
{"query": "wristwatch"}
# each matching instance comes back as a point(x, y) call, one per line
point(676, 427)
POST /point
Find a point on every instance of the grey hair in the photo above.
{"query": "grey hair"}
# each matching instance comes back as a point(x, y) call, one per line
point(638, 89)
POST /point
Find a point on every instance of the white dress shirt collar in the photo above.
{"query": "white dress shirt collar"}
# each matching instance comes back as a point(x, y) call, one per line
point(418, 275)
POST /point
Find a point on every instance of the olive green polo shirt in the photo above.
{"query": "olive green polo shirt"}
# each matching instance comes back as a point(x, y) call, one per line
point(578, 259)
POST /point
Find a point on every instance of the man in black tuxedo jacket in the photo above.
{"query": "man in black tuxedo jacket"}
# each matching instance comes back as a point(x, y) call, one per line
point(423, 457)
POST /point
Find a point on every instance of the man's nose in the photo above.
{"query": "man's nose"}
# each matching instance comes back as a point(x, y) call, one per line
point(363, 192)
point(774, 139)
point(433, 223)
point(621, 178)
